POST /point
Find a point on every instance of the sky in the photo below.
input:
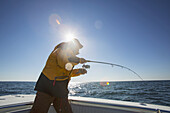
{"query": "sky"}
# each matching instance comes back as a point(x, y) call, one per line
point(132, 33)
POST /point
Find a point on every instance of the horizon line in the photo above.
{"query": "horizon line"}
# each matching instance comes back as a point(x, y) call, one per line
point(91, 81)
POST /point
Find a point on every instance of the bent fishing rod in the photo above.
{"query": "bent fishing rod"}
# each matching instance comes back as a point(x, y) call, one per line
point(74, 59)
point(116, 65)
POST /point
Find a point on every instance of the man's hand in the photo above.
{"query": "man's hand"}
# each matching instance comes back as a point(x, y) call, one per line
point(82, 60)
point(82, 71)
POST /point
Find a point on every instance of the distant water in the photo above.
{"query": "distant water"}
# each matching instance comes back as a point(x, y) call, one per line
point(151, 92)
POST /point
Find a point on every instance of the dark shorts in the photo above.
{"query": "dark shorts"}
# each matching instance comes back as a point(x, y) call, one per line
point(46, 86)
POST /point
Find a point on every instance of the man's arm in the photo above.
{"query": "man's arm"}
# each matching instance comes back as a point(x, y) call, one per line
point(61, 58)
point(77, 60)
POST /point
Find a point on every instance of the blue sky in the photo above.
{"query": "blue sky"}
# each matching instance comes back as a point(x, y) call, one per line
point(133, 33)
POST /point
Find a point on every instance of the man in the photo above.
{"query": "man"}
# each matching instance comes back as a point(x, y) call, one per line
point(52, 84)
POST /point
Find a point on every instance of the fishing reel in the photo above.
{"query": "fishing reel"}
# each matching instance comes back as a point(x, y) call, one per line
point(86, 66)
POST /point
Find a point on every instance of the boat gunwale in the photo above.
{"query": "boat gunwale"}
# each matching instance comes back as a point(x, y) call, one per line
point(120, 105)
point(104, 102)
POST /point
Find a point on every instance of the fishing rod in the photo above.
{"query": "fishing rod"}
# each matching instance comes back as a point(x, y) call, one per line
point(115, 65)
point(74, 59)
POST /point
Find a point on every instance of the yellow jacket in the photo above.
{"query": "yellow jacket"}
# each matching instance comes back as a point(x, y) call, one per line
point(55, 65)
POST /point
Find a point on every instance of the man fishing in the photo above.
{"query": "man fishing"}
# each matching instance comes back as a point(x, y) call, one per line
point(52, 85)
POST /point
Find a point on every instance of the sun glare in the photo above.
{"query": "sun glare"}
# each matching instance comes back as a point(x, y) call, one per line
point(70, 36)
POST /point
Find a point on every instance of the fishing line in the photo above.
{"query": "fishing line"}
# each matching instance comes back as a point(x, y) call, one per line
point(117, 66)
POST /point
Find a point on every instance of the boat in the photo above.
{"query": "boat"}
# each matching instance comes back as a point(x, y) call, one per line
point(23, 104)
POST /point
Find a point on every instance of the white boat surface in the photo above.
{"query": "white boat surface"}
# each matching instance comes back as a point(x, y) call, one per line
point(23, 104)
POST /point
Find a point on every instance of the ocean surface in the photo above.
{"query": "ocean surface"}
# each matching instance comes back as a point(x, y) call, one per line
point(151, 92)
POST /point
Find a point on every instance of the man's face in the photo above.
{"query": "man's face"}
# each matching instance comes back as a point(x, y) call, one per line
point(76, 51)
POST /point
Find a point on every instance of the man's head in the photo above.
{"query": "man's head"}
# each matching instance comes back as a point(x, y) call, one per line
point(75, 45)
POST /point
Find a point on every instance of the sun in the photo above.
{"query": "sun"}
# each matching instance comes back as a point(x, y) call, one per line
point(70, 36)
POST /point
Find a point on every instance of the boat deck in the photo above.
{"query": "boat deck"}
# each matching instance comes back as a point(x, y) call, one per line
point(23, 104)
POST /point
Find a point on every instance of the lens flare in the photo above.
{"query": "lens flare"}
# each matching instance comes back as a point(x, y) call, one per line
point(54, 21)
point(68, 66)
point(58, 22)
point(104, 83)
point(98, 24)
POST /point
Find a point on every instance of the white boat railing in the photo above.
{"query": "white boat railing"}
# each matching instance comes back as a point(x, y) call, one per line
point(23, 104)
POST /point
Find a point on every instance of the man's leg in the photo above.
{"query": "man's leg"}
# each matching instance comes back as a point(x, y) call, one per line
point(42, 103)
point(62, 105)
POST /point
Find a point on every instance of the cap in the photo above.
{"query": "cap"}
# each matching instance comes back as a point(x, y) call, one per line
point(77, 43)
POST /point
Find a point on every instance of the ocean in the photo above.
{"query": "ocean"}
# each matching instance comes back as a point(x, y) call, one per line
point(151, 92)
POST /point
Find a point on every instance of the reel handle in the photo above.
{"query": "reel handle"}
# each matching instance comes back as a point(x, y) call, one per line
point(86, 66)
